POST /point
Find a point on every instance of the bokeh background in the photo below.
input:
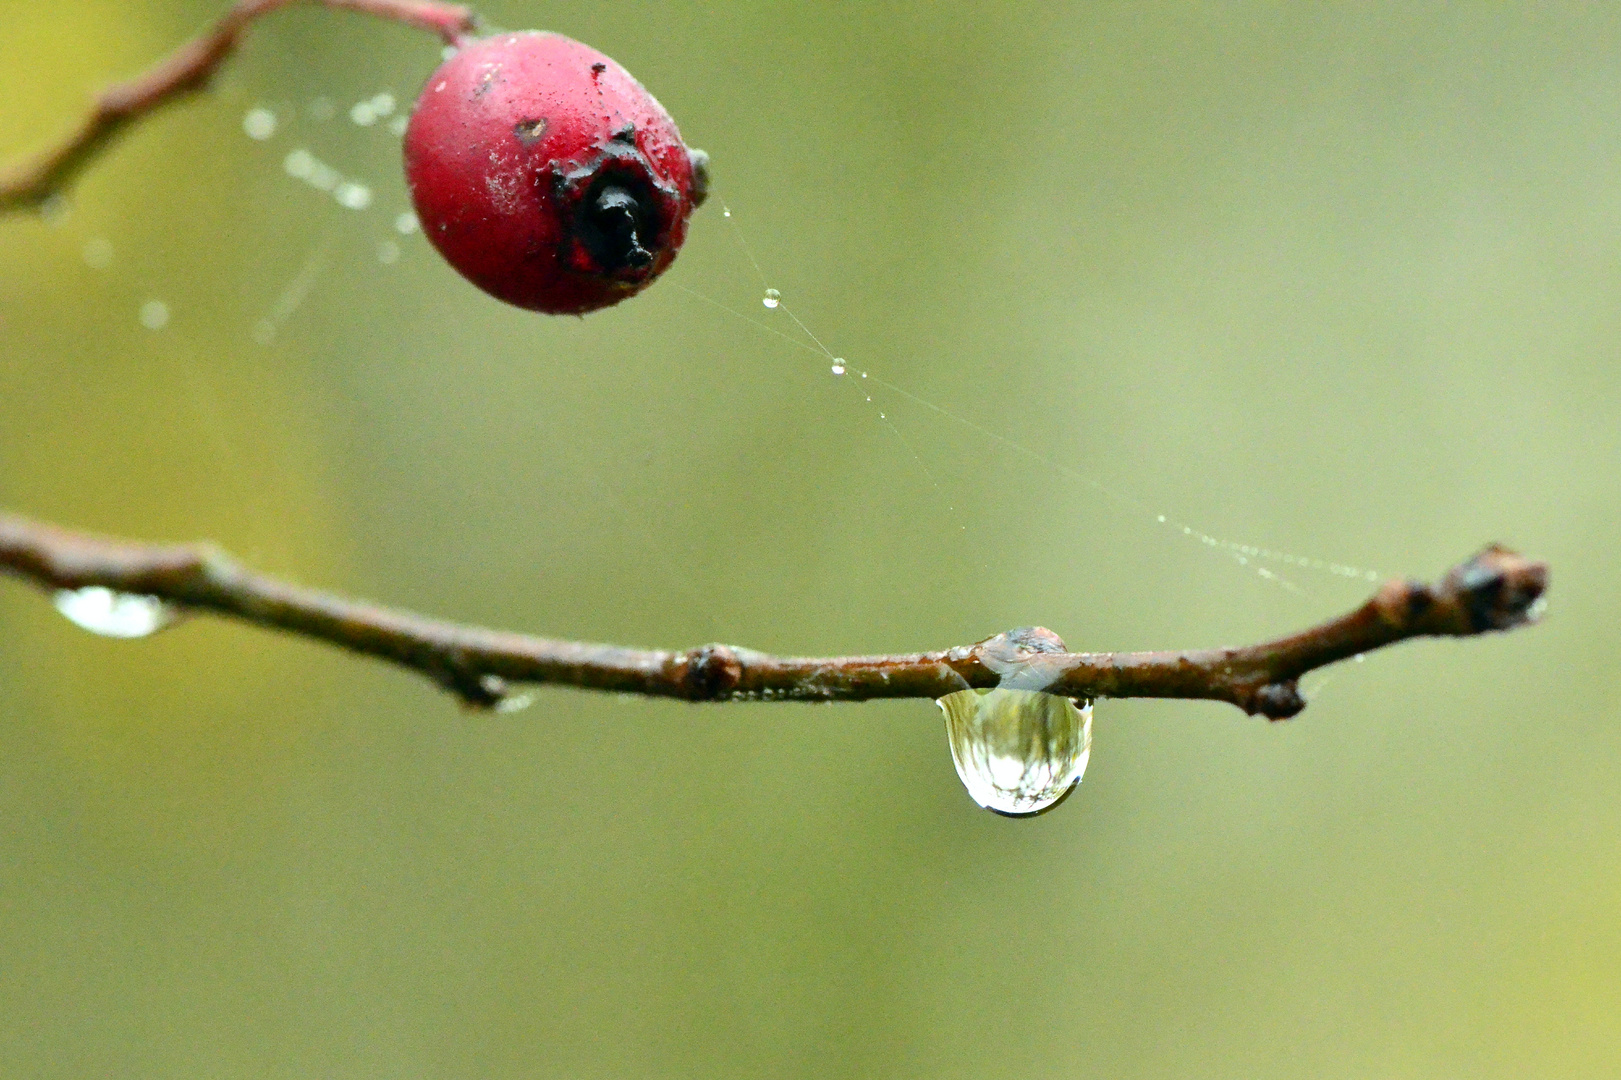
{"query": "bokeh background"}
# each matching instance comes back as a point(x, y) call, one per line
point(1342, 280)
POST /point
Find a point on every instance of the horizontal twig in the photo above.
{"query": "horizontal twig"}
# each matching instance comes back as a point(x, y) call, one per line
point(1495, 590)
point(35, 180)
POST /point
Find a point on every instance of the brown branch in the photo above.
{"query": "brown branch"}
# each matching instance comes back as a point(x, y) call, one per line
point(30, 182)
point(1495, 590)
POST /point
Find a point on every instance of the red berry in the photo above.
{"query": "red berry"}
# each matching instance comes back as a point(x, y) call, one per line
point(549, 176)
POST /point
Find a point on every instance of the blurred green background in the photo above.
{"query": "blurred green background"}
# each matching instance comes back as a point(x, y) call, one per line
point(1344, 280)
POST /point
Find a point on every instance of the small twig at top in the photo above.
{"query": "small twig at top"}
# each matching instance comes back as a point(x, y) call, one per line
point(33, 181)
point(1495, 590)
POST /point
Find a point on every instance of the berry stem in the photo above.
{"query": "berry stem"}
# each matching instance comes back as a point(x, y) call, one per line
point(35, 180)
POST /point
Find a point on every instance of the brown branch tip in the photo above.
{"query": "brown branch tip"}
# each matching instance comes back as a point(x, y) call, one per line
point(36, 180)
point(1495, 590)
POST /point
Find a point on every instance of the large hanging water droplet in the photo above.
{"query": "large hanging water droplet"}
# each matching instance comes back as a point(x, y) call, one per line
point(114, 614)
point(1018, 752)
point(772, 298)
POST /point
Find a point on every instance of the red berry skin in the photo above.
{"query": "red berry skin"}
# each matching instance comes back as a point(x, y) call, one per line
point(547, 175)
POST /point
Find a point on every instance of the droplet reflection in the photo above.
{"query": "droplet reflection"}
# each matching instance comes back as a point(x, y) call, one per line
point(1018, 752)
point(114, 614)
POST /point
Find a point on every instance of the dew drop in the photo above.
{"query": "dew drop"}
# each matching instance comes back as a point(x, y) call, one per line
point(383, 104)
point(322, 109)
point(324, 177)
point(1162, 519)
point(55, 209)
point(114, 614)
point(1360, 658)
point(725, 213)
point(388, 252)
point(154, 315)
point(353, 196)
point(838, 366)
point(1018, 752)
point(98, 253)
point(399, 124)
point(259, 124)
point(405, 224)
point(362, 114)
point(299, 164)
point(772, 298)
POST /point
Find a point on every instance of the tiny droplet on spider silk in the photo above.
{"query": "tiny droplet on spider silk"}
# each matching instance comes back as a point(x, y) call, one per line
point(838, 366)
point(114, 614)
point(772, 298)
point(1018, 752)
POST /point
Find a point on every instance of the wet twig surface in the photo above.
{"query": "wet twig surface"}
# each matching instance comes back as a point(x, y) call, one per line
point(35, 180)
point(1495, 590)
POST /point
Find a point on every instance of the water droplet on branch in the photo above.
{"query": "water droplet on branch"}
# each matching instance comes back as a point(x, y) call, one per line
point(1018, 752)
point(114, 614)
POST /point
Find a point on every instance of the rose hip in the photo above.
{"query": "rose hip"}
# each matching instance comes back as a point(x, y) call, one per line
point(547, 175)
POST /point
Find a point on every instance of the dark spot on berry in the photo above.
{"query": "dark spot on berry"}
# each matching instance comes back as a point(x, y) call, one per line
point(487, 83)
point(626, 134)
point(530, 131)
point(598, 69)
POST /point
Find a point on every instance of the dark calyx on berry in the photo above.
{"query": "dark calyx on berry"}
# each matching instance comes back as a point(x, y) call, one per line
point(612, 225)
point(618, 219)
